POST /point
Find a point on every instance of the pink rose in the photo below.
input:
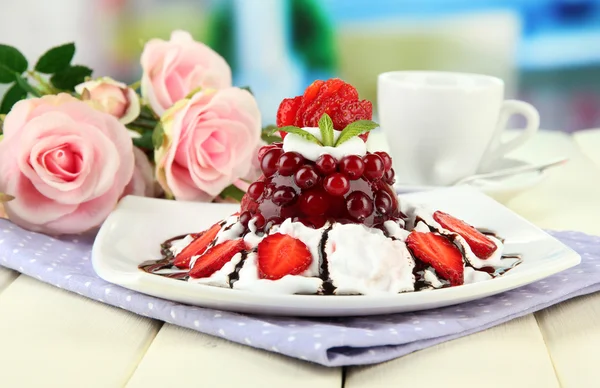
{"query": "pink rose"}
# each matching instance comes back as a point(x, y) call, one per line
point(65, 163)
point(142, 182)
point(112, 97)
point(173, 69)
point(209, 143)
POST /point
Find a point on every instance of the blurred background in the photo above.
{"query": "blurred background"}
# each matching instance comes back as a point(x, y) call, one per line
point(547, 51)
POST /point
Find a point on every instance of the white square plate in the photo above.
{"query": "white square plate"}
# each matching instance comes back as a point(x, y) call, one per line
point(133, 232)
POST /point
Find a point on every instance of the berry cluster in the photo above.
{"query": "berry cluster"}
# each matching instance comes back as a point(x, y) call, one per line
point(334, 97)
point(352, 190)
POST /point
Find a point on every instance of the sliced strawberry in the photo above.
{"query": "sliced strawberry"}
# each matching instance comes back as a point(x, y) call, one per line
point(216, 257)
point(196, 247)
point(440, 253)
point(286, 114)
point(310, 94)
point(481, 246)
point(280, 255)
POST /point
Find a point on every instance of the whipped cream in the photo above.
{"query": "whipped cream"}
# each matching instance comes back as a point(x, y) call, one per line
point(289, 284)
point(364, 261)
point(179, 245)
point(394, 230)
point(221, 277)
point(312, 151)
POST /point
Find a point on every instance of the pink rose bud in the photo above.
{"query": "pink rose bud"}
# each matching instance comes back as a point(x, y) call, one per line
point(111, 97)
point(173, 69)
point(65, 163)
point(210, 143)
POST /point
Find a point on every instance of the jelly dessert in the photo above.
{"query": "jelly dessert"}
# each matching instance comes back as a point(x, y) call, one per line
point(324, 218)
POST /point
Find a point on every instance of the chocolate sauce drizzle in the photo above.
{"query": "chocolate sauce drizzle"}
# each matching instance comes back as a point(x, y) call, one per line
point(328, 287)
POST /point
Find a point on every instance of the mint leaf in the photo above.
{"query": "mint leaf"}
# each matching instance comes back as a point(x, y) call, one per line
point(326, 127)
point(300, 132)
point(158, 135)
point(56, 59)
point(68, 78)
point(354, 129)
point(232, 192)
point(12, 95)
point(11, 62)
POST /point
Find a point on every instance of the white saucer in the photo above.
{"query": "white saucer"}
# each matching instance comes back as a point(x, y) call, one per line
point(501, 189)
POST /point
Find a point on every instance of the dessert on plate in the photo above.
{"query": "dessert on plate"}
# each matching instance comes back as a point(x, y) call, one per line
point(324, 218)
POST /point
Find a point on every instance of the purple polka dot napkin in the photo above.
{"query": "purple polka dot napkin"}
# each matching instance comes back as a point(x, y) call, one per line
point(66, 263)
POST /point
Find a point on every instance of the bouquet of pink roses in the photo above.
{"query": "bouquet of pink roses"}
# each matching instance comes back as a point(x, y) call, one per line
point(72, 146)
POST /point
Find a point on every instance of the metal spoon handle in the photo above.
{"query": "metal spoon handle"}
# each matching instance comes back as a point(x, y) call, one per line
point(513, 171)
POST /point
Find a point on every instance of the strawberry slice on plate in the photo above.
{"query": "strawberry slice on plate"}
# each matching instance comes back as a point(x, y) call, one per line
point(196, 247)
point(481, 245)
point(216, 257)
point(440, 253)
point(280, 255)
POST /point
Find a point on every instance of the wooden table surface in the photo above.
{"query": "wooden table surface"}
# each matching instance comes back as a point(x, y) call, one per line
point(53, 338)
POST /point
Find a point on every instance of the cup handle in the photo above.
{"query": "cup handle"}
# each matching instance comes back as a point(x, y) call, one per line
point(497, 147)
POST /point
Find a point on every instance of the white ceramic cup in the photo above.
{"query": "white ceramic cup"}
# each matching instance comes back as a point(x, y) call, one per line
point(444, 126)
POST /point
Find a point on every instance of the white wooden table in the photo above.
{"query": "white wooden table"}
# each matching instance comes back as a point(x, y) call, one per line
point(53, 338)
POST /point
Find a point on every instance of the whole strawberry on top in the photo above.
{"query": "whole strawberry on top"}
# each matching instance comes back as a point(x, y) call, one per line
point(333, 97)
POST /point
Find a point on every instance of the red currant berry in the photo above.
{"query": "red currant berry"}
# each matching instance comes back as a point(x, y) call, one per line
point(359, 205)
point(390, 176)
point(336, 184)
point(245, 218)
point(313, 203)
point(268, 164)
point(374, 168)
point(263, 150)
point(259, 221)
point(352, 166)
point(283, 195)
point(383, 202)
point(256, 189)
point(306, 177)
point(325, 164)
point(269, 189)
point(387, 160)
point(289, 162)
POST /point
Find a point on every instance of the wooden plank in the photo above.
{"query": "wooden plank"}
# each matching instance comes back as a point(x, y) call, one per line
point(181, 357)
point(51, 337)
point(7, 276)
point(511, 355)
point(576, 182)
point(572, 335)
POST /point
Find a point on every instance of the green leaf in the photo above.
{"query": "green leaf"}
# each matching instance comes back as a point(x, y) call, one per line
point(25, 85)
point(145, 142)
point(68, 78)
point(247, 88)
point(56, 59)
point(300, 132)
point(158, 136)
point(326, 127)
point(12, 95)
point(232, 192)
point(11, 62)
point(354, 129)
